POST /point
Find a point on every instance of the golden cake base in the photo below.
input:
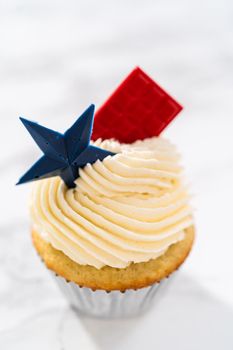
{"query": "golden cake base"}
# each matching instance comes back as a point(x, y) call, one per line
point(134, 276)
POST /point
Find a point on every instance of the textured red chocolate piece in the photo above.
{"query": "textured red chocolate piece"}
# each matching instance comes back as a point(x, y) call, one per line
point(139, 108)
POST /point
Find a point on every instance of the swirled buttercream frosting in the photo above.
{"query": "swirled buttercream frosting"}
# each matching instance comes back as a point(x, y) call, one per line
point(128, 208)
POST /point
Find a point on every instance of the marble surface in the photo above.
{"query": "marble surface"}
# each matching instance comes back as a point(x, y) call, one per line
point(56, 57)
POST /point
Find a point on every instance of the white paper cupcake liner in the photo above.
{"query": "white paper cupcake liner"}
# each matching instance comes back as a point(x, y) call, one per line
point(114, 304)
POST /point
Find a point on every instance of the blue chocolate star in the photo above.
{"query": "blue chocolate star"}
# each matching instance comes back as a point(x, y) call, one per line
point(63, 154)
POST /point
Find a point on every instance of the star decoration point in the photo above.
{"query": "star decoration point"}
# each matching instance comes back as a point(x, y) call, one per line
point(64, 153)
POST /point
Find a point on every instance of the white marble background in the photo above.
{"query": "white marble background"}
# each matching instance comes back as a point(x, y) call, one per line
point(56, 57)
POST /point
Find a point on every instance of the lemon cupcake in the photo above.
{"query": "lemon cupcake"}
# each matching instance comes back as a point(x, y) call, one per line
point(115, 223)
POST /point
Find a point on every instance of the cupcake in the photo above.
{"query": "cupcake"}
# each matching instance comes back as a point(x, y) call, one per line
point(111, 218)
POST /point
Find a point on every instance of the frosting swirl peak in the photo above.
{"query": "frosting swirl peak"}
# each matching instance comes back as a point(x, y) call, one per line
point(127, 208)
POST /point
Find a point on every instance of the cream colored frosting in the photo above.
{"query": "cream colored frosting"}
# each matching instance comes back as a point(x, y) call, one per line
point(128, 208)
